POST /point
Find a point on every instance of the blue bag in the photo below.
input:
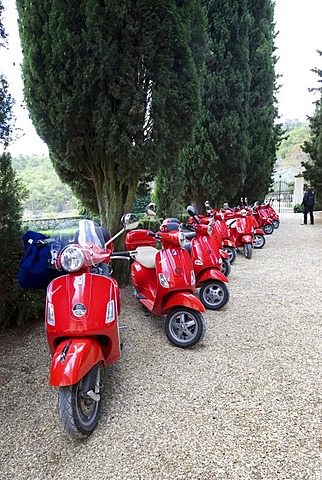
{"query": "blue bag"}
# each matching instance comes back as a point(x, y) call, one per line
point(33, 271)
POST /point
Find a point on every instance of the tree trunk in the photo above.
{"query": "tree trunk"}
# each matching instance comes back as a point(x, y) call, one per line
point(114, 200)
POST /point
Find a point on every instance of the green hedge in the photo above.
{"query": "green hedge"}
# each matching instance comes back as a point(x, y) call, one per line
point(299, 208)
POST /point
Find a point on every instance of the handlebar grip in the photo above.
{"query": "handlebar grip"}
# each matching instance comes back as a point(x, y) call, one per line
point(125, 253)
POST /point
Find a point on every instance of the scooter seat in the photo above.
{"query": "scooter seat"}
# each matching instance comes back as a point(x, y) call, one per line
point(189, 235)
point(231, 222)
point(145, 256)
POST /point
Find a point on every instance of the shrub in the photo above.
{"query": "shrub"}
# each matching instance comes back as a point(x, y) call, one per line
point(17, 305)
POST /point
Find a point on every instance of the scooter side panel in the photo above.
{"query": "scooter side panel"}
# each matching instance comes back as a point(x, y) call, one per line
point(72, 359)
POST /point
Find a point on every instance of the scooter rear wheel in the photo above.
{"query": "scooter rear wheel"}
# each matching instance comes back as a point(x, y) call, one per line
point(78, 412)
point(268, 229)
point(248, 250)
point(214, 294)
point(276, 223)
point(184, 327)
point(258, 240)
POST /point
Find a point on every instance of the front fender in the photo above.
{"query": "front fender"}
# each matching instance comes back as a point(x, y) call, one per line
point(229, 243)
point(223, 254)
point(212, 273)
point(247, 239)
point(72, 359)
point(183, 299)
point(259, 231)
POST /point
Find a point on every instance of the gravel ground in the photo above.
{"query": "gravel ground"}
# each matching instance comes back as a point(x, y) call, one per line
point(243, 404)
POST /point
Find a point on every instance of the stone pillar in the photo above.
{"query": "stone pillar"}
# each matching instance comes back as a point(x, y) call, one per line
point(298, 189)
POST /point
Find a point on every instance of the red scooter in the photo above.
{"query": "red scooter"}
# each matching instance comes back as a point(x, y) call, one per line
point(82, 309)
point(265, 222)
point(206, 262)
point(164, 283)
point(222, 231)
point(241, 230)
point(272, 213)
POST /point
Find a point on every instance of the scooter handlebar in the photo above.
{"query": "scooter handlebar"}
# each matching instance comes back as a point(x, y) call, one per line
point(125, 255)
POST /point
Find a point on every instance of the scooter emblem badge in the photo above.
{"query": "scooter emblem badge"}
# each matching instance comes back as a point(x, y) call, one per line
point(79, 310)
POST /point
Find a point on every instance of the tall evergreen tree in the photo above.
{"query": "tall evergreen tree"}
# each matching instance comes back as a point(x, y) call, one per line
point(264, 134)
point(313, 146)
point(214, 165)
point(112, 88)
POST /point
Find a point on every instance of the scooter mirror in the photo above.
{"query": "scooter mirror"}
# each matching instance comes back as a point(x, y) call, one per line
point(129, 221)
point(191, 210)
point(207, 204)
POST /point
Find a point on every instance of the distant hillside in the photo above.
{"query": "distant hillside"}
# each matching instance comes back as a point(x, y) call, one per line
point(290, 154)
point(48, 196)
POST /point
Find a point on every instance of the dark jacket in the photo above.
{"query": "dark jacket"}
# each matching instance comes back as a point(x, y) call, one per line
point(309, 198)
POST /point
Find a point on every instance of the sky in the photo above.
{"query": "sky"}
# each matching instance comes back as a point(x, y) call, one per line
point(299, 36)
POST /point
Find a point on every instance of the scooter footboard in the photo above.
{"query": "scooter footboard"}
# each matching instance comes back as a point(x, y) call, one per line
point(183, 299)
point(73, 358)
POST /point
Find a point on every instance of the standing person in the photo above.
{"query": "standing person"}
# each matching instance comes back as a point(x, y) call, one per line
point(308, 204)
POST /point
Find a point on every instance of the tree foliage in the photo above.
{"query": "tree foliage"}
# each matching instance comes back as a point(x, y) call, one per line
point(234, 145)
point(16, 304)
point(264, 132)
point(112, 91)
point(313, 146)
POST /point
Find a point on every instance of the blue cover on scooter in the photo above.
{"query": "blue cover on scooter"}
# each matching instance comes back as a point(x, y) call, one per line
point(33, 271)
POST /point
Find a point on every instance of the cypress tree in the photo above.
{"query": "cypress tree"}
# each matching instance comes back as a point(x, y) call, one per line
point(112, 88)
point(216, 161)
point(313, 146)
point(264, 134)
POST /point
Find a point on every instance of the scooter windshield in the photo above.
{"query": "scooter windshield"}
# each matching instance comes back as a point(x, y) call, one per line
point(83, 232)
point(78, 231)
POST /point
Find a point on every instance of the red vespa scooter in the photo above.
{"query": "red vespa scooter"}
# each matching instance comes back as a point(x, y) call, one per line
point(164, 283)
point(263, 219)
point(241, 230)
point(206, 262)
point(222, 231)
point(82, 309)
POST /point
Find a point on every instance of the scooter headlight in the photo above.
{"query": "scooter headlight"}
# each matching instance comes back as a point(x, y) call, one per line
point(72, 258)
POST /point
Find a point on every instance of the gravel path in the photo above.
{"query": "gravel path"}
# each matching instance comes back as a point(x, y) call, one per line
point(244, 404)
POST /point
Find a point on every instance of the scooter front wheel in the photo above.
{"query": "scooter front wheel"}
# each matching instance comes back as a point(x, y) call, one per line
point(78, 412)
point(248, 250)
point(225, 267)
point(184, 327)
point(214, 294)
point(231, 252)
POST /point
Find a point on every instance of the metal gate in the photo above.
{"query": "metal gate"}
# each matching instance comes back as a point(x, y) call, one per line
point(282, 196)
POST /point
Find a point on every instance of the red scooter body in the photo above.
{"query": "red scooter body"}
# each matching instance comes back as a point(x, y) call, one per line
point(90, 338)
point(263, 219)
point(82, 309)
point(164, 283)
point(206, 261)
point(220, 231)
point(241, 230)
